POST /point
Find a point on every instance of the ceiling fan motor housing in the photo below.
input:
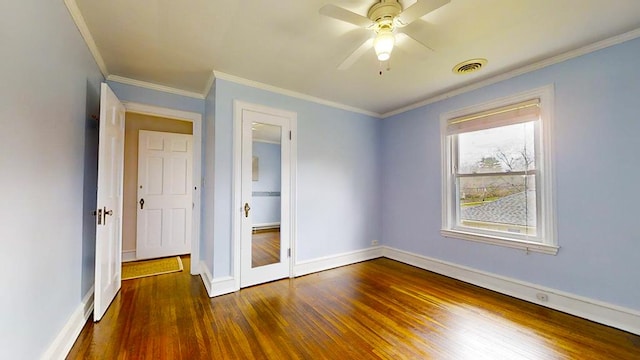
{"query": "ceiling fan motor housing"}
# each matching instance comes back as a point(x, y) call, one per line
point(384, 12)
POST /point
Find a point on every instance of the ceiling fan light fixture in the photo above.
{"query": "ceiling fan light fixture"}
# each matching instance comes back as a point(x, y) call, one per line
point(383, 44)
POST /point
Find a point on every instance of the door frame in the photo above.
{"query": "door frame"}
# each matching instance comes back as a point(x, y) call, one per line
point(196, 120)
point(236, 184)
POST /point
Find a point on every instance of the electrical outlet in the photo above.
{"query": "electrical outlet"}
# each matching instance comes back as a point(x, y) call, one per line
point(542, 297)
point(374, 242)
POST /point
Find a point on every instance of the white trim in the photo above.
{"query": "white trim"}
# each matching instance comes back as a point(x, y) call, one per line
point(196, 119)
point(271, 225)
point(205, 275)
point(219, 286)
point(293, 197)
point(236, 190)
point(77, 17)
point(590, 309)
point(209, 85)
point(156, 87)
point(615, 40)
point(334, 261)
point(129, 255)
point(546, 240)
point(60, 347)
point(527, 246)
point(294, 94)
point(236, 206)
point(222, 286)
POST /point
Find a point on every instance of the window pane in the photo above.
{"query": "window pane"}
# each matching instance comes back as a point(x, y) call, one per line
point(504, 203)
point(502, 149)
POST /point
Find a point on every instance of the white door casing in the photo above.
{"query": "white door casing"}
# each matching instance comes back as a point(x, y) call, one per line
point(108, 259)
point(164, 215)
point(246, 115)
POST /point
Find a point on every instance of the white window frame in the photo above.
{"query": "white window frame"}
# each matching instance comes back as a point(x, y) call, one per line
point(546, 240)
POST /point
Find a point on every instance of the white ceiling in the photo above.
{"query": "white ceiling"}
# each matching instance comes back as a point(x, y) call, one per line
point(287, 44)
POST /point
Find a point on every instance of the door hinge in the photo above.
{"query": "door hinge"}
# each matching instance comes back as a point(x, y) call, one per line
point(289, 252)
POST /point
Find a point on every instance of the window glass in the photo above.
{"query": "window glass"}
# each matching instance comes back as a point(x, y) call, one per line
point(501, 149)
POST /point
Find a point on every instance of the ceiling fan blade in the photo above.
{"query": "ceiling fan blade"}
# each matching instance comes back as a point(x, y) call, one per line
point(419, 30)
point(357, 54)
point(419, 9)
point(413, 46)
point(345, 15)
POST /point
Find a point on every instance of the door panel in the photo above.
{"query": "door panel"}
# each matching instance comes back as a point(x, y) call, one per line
point(165, 203)
point(265, 238)
point(109, 200)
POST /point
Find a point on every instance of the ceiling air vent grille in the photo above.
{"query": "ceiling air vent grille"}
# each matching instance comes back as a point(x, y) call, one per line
point(469, 66)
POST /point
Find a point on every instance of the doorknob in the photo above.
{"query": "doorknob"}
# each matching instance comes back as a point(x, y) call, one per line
point(141, 204)
point(105, 213)
point(246, 209)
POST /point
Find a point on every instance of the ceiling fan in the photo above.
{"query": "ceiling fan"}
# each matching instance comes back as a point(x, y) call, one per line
point(383, 18)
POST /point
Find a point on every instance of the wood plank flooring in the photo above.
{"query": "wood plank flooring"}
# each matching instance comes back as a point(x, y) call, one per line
point(379, 309)
point(265, 247)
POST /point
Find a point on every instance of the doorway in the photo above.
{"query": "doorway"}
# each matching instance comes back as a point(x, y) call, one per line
point(264, 226)
point(151, 167)
point(147, 117)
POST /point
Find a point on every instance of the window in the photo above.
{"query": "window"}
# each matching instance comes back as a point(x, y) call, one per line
point(496, 176)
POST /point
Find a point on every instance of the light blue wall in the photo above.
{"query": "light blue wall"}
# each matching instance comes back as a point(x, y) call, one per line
point(208, 156)
point(50, 86)
point(266, 209)
point(595, 131)
point(338, 175)
point(137, 94)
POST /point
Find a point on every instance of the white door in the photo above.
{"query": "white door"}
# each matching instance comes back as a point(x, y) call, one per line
point(165, 203)
point(265, 188)
point(109, 212)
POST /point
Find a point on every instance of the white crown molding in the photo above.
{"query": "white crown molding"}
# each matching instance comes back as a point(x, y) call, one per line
point(72, 6)
point(209, 85)
point(615, 40)
point(294, 94)
point(156, 87)
point(590, 309)
point(62, 344)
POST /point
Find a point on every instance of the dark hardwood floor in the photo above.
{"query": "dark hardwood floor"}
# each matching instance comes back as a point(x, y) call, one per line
point(379, 309)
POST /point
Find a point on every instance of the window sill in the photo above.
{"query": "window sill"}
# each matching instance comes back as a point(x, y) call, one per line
point(494, 240)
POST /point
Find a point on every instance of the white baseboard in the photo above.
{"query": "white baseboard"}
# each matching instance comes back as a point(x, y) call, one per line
point(594, 310)
point(334, 261)
point(217, 287)
point(205, 275)
point(265, 226)
point(223, 285)
point(60, 347)
point(228, 284)
point(129, 255)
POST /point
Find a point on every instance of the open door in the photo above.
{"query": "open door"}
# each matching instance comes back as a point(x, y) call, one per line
point(109, 212)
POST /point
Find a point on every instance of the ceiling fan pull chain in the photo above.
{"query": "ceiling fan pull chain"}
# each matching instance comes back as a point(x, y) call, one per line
point(383, 67)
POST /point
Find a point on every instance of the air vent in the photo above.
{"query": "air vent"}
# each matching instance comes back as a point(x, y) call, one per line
point(469, 66)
